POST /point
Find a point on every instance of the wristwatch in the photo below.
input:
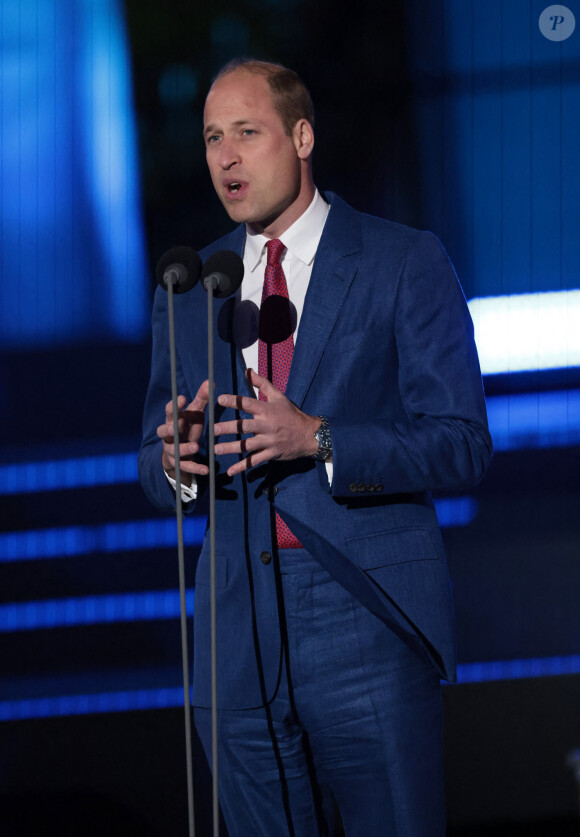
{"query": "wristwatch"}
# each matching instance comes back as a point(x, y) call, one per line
point(324, 440)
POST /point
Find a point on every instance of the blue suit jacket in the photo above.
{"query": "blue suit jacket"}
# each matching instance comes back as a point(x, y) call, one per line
point(385, 350)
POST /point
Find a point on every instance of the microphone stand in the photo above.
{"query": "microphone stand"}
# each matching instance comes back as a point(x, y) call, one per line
point(173, 280)
point(222, 275)
point(210, 286)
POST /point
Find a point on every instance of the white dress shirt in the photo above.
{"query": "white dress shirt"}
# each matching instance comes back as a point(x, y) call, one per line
point(301, 241)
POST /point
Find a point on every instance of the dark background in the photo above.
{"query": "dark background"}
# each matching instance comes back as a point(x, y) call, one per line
point(453, 116)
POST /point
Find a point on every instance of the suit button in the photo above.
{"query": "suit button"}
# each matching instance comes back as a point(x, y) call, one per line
point(265, 557)
point(379, 487)
point(271, 491)
point(353, 488)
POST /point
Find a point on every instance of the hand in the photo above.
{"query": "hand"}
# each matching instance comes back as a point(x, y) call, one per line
point(191, 422)
point(279, 429)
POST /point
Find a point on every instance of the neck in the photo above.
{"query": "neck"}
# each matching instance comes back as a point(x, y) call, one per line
point(275, 227)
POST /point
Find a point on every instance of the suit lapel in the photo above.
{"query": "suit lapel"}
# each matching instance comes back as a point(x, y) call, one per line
point(334, 269)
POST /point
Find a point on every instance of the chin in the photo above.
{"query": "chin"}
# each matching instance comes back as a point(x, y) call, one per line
point(236, 213)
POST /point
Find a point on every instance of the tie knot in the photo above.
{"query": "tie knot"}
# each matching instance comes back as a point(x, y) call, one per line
point(275, 249)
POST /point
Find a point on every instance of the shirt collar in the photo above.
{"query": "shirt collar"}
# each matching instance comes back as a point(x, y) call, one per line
point(301, 239)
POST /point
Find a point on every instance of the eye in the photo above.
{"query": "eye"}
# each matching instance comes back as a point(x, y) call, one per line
point(248, 132)
point(211, 140)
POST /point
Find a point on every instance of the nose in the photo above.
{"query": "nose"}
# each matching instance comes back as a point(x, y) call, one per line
point(228, 154)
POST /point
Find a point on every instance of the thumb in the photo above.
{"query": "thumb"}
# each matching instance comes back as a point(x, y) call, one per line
point(262, 384)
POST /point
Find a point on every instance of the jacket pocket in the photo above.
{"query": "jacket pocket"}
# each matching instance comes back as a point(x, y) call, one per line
point(395, 546)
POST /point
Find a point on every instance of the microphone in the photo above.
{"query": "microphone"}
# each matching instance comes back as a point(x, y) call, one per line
point(277, 320)
point(179, 267)
point(276, 323)
point(177, 271)
point(223, 273)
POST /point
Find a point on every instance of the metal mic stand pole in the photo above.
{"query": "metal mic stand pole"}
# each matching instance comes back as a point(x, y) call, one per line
point(181, 560)
point(211, 452)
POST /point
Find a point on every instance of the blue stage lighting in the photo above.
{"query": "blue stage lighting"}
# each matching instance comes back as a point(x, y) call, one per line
point(523, 332)
point(518, 669)
point(72, 251)
point(535, 420)
point(89, 704)
point(68, 541)
point(63, 474)
point(455, 511)
point(92, 610)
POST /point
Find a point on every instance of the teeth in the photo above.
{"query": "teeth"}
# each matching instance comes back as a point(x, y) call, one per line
point(233, 187)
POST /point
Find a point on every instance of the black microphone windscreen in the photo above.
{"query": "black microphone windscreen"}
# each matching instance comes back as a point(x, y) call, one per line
point(226, 269)
point(277, 320)
point(185, 265)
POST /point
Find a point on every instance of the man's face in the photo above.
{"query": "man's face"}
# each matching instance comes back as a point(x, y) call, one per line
point(258, 171)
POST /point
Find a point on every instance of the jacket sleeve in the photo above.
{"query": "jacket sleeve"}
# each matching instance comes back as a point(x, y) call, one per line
point(438, 438)
point(151, 473)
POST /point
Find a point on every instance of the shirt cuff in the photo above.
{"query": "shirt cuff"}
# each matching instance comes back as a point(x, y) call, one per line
point(188, 494)
point(329, 471)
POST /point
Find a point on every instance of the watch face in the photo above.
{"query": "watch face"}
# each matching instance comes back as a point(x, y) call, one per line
point(324, 440)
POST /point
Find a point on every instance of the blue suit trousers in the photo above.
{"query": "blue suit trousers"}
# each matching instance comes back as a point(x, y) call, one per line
point(355, 725)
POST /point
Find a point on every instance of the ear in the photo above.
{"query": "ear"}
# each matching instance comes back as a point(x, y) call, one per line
point(303, 138)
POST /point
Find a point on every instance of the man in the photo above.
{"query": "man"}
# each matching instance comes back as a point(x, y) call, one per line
point(334, 608)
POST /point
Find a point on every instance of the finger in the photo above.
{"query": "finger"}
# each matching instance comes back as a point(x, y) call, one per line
point(185, 449)
point(237, 427)
point(243, 403)
point(192, 416)
point(262, 384)
point(165, 431)
point(201, 399)
point(250, 461)
point(181, 402)
point(249, 445)
point(189, 466)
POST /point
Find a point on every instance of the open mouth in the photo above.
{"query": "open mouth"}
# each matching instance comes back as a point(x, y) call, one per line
point(234, 187)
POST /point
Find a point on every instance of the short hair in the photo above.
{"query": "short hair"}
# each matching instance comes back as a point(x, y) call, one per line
point(290, 95)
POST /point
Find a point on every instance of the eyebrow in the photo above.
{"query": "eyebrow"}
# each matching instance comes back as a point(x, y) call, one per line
point(212, 129)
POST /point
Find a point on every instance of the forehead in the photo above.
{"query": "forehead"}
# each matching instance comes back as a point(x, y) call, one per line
point(239, 96)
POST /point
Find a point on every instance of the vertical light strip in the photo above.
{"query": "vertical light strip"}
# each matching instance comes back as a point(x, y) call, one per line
point(72, 253)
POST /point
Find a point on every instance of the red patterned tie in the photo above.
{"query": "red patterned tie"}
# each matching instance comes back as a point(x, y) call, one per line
point(281, 357)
